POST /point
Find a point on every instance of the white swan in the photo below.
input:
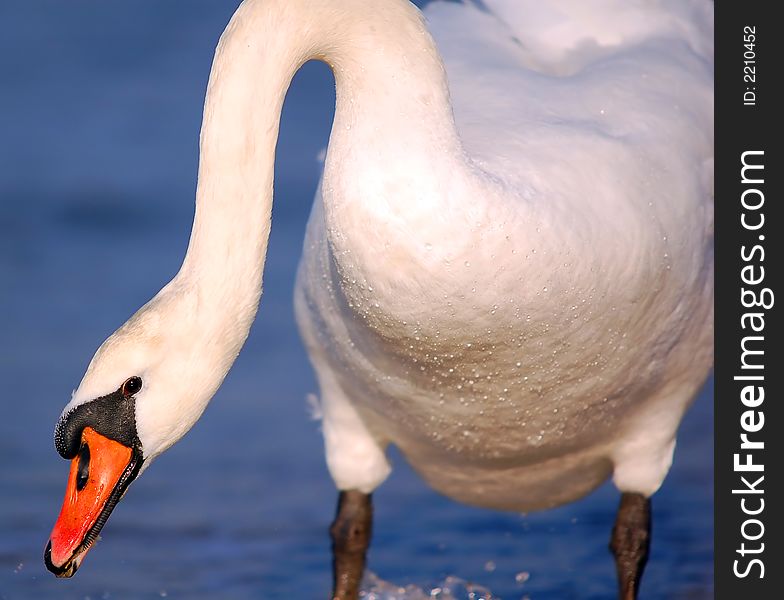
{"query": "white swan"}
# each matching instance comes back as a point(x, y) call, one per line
point(519, 296)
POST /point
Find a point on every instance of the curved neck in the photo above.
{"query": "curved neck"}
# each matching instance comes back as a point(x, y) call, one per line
point(392, 96)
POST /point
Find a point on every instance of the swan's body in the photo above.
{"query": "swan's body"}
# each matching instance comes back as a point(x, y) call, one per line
point(519, 297)
point(518, 325)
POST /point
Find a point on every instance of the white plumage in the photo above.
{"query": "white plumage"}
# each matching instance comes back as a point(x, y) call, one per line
point(519, 297)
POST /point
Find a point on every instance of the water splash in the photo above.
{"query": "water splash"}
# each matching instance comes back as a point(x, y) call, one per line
point(451, 588)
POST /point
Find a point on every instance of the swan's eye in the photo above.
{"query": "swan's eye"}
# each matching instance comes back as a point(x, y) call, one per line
point(131, 386)
point(83, 469)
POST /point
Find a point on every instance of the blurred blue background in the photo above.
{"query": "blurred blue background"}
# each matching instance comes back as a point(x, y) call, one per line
point(100, 107)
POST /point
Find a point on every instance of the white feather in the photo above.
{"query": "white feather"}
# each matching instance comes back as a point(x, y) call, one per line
point(508, 267)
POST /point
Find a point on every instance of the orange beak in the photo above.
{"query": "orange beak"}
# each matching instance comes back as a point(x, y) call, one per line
point(99, 475)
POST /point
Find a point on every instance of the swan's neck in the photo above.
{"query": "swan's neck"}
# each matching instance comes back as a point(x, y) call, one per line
point(393, 125)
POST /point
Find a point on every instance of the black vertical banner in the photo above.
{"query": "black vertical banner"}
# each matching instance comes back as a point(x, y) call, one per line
point(749, 446)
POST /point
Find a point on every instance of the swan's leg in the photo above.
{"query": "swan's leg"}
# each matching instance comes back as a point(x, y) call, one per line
point(631, 538)
point(351, 531)
point(641, 464)
point(358, 465)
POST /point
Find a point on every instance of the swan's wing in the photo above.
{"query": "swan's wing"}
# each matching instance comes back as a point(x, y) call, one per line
point(550, 93)
point(562, 36)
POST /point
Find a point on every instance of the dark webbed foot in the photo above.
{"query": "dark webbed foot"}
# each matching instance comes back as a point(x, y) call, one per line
point(630, 541)
point(350, 531)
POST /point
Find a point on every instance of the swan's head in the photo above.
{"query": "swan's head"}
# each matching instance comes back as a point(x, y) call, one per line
point(145, 387)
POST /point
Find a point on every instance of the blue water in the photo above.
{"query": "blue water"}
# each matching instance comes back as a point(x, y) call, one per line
point(100, 107)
